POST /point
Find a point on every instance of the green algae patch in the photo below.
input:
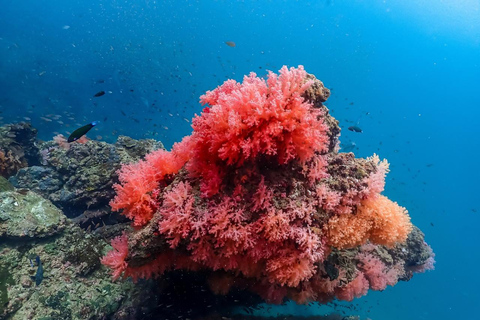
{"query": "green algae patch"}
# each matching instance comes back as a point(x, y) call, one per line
point(5, 185)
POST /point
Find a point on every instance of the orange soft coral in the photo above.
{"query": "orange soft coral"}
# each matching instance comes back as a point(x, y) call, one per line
point(391, 222)
point(377, 219)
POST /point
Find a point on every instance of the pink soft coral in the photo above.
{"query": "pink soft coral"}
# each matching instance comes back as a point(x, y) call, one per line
point(376, 181)
point(377, 273)
point(260, 242)
point(357, 288)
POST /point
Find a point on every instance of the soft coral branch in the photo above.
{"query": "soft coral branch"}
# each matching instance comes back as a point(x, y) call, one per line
point(256, 118)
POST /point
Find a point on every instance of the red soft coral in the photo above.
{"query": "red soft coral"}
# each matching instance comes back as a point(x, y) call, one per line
point(115, 259)
point(254, 118)
point(133, 194)
point(138, 182)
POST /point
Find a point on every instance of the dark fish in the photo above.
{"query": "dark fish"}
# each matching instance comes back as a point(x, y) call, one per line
point(230, 44)
point(39, 274)
point(22, 191)
point(355, 129)
point(99, 93)
point(81, 131)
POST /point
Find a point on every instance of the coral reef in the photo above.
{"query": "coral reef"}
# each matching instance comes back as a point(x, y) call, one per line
point(259, 198)
point(74, 286)
point(256, 205)
point(79, 179)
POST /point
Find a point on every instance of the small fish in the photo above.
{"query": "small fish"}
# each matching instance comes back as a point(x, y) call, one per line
point(355, 129)
point(81, 131)
point(39, 274)
point(348, 147)
point(230, 44)
point(99, 94)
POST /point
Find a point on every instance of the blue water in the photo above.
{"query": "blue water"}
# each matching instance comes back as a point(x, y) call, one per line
point(406, 72)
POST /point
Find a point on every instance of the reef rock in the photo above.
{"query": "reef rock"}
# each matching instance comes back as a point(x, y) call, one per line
point(28, 215)
point(74, 285)
point(78, 177)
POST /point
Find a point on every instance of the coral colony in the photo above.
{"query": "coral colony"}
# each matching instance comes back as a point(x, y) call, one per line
point(260, 198)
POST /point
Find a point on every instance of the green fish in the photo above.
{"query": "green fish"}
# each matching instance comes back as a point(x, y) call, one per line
point(355, 129)
point(77, 134)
